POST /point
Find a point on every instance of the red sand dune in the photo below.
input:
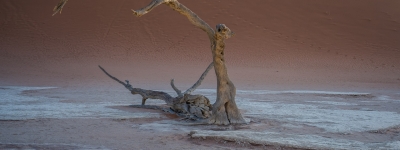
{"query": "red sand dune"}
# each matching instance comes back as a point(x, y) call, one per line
point(279, 43)
point(336, 45)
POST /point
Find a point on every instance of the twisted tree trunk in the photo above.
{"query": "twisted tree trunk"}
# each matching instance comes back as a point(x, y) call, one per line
point(224, 110)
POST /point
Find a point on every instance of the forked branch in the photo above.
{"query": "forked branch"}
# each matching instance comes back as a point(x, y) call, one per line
point(186, 105)
point(224, 110)
point(195, 85)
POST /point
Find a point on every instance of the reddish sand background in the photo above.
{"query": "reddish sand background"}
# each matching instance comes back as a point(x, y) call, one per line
point(336, 45)
point(285, 44)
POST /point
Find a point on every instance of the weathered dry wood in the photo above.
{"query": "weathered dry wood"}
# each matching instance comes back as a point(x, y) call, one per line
point(175, 5)
point(195, 85)
point(179, 92)
point(146, 94)
point(225, 110)
point(59, 7)
point(198, 83)
point(189, 106)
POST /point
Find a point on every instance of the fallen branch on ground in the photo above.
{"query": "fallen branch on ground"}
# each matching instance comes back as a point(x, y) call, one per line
point(186, 105)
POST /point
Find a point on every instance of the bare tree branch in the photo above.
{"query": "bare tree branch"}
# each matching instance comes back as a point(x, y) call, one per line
point(179, 92)
point(175, 5)
point(127, 85)
point(149, 7)
point(59, 7)
point(191, 107)
point(224, 110)
point(198, 83)
point(146, 94)
point(195, 85)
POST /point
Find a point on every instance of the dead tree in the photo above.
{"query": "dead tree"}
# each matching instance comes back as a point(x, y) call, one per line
point(224, 110)
point(186, 105)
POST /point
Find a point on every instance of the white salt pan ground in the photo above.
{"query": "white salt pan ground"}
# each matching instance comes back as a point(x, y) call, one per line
point(14, 105)
point(329, 120)
point(302, 119)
